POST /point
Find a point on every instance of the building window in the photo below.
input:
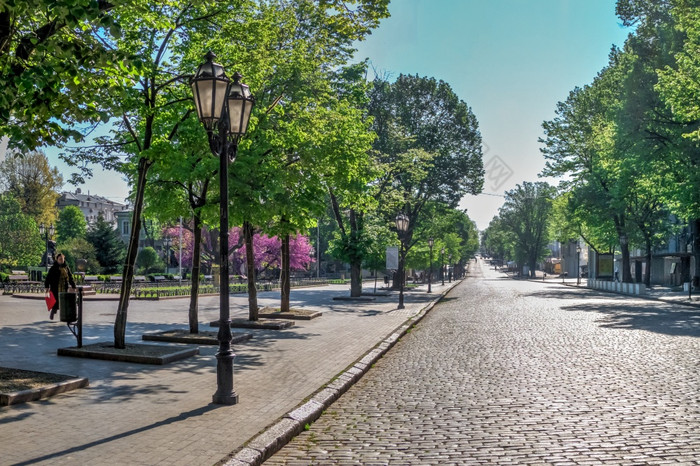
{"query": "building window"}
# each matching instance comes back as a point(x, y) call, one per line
point(125, 227)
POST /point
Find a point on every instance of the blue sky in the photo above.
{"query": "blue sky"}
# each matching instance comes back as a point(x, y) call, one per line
point(510, 60)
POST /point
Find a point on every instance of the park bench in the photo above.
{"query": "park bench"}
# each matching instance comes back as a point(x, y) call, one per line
point(139, 278)
point(115, 278)
point(20, 283)
point(159, 278)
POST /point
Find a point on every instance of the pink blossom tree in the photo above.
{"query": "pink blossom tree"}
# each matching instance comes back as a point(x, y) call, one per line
point(266, 249)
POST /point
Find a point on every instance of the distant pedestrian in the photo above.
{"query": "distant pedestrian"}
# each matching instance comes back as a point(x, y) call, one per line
point(617, 274)
point(58, 280)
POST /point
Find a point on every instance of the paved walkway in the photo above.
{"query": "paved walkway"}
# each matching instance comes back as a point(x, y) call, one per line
point(147, 415)
point(517, 372)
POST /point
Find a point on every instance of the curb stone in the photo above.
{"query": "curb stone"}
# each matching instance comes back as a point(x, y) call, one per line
point(272, 439)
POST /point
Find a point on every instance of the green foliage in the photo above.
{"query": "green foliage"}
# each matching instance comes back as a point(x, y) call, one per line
point(109, 248)
point(79, 248)
point(525, 217)
point(55, 67)
point(30, 179)
point(71, 224)
point(149, 261)
point(425, 114)
point(20, 242)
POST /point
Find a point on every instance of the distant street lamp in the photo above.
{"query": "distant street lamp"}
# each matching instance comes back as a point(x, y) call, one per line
point(578, 264)
point(223, 107)
point(401, 227)
point(431, 243)
point(47, 233)
point(442, 265)
point(449, 270)
point(167, 241)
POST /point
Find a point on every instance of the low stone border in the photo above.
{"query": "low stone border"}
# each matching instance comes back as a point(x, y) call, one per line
point(201, 338)
point(295, 314)
point(265, 324)
point(106, 351)
point(24, 396)
point(636, 289)
point(267, 443)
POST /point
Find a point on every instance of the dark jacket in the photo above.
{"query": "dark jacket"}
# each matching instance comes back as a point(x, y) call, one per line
point(53, 279)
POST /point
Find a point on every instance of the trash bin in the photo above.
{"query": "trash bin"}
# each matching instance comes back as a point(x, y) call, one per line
point(68, 307)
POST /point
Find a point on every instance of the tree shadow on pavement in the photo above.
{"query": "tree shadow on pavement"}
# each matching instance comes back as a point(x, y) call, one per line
point(653, 317)
point(171, 420)
point(561, 292)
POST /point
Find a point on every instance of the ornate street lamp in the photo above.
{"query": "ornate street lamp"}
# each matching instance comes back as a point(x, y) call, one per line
point(431, 243)
point(47, 233)
point(224, 108)
point(401, 227)
point(442, 265)
point(578, 264)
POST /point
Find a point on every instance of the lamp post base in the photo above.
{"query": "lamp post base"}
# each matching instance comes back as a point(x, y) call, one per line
point(225, 395)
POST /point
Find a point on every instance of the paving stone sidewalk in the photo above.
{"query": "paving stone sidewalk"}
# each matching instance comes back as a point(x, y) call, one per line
point(147, 415)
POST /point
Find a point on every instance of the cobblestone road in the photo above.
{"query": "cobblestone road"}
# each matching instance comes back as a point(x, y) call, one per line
point(518, 372)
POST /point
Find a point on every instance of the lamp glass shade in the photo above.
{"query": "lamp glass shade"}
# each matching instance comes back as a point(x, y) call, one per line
point(402, 222)
point(240, 103)
point(209, 87)
point(51, 230)
point(42, 229)
point(430, 242)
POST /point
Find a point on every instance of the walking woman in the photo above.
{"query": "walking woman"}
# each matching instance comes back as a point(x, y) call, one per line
point(58, 280)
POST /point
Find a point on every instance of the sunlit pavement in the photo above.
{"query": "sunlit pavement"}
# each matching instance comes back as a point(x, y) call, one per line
point(145, 415)
point(517, 372)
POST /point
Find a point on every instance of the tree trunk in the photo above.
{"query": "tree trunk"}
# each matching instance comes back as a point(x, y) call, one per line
point(196, 265)
point(128, 273)
point(647, 272)
point(356, 279)
point(250, 265)
point(695, 229)
point(626, 274)
point(284, 275)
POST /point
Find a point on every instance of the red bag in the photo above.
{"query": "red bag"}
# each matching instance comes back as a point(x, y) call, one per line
point(50, 301)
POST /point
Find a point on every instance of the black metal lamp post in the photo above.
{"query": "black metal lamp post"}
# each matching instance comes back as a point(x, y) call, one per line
point(166, 253)
point(431, 243)
point(224, 108)
point(449, 270)
point(442, 265)
point(401, 228)
point(48, 233)
point(578, 264)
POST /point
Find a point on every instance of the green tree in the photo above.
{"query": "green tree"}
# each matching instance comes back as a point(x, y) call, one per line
point(149, 261)
point(109, 248)
point(525, 213)
point(428, 146)
point(299, 38)
point(71, 224)
point(20, 242)
point(30, 179)
point(79, 248)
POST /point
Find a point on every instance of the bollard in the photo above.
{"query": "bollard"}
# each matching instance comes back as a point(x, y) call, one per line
point(71, 308)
